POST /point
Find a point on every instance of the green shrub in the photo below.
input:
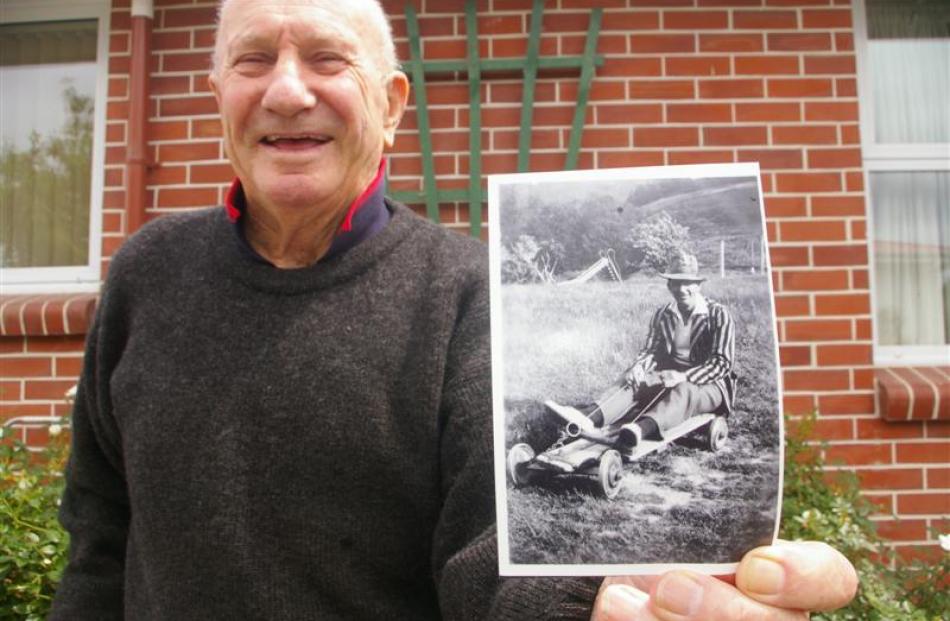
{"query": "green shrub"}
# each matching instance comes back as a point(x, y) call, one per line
point(33, 546)
point(826, 508)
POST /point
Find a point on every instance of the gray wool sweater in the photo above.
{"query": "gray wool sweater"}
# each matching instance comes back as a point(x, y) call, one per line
point(312, 443)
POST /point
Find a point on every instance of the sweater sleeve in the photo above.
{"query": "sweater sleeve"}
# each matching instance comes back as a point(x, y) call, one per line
point(95, 505)
point(718, 363)
point(465, 553)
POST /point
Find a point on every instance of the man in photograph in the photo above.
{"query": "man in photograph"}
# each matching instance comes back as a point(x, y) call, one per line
point(685, 367)
point(285, 404)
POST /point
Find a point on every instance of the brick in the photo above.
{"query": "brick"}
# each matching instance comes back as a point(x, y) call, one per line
point(734, 42)
point(766, 65)
point(695, 20)
point(627, 114)
point(600, 90)
point(800, 87)
point(735, 135)
point(189, 151)
point(834, 158)
point(177, 18)
point(699, 113)
point(924, 452)
point(211, 173)
point(788, 256)
point(10, 391)
point(205, 128)
point(48, 390)
point(772, 159)
point(768, 112)
point(837, 205)
point(854, 182)
point(890, 478)
point(169, 85)
point(187, 197)
point(921, 504)
point(792, 306)
point(698, 65)
point(865, 454)
point(798, 404)
point(662, 44)
point(833, 429)
point(937, 429)
point(629, 67)
point(815, 380)
point(167, 130)
point(623, 159)
point(877, 429)
point(844, 42)
point(794, 356)
point(785, 207)
point(188, 106)
point(884, 503)
point(495, 25)
point(844, 355)
point(68, 367)
point(846, 87)
point(730, 89)
point(706, 156)
point(604, 138)
point(808, 182)
point(923, 553)
point(163, 174)
point(764, 20)
point(798, 41)
point(630, 20)
point(862, 379)
point(938, 478)
point(812, 230)
point(26, 367)
point(661, 89)
point(812, 280)
point(853, 254)
point(852, 403)
point(831, 111)
point(902, 530)
point(800, 330)
point(830, 64)
point(188, 61)
point(665, 136)
point(826, 18)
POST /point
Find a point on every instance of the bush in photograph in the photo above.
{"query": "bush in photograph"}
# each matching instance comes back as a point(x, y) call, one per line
point(834, 511)
point(33, 545)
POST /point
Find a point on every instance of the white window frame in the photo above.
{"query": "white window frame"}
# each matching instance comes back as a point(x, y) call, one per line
point(77, 278)
point(890, 157)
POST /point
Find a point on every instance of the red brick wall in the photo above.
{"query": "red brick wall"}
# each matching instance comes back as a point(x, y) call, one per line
point(685, 81)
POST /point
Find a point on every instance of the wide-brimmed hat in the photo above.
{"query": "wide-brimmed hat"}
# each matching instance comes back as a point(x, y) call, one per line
point(683, 266)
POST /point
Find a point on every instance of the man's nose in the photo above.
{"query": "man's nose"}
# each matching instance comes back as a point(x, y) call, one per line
point(288, 94)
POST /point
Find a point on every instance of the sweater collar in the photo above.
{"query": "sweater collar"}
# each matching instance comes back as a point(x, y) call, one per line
point(365, 217)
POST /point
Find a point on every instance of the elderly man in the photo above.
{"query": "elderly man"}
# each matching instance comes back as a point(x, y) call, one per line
point(284, 410)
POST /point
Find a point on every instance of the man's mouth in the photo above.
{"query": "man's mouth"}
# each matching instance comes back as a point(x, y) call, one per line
point(294, 142)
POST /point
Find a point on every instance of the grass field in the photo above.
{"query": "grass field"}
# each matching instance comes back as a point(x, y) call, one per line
point(568, 344)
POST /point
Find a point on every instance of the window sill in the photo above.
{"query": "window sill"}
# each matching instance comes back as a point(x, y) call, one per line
point(47, 314)
point(913, 393)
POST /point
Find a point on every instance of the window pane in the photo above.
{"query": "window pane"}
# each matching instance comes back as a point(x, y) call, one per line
point(909, 62)
point(911, 212)
point(47, 85)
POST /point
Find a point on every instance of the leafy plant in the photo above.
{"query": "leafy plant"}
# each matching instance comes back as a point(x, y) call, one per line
point(33, 545)
point(831, 509)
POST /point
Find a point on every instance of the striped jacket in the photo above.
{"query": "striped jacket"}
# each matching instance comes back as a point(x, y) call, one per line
point(712, 345)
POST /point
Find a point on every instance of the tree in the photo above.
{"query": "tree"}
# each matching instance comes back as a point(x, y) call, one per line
point(656, 240)
point(528, 260)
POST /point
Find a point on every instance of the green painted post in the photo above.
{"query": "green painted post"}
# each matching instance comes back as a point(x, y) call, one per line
point(422, 112)
point(474, 122)
point(530, 77)
point(583, 92)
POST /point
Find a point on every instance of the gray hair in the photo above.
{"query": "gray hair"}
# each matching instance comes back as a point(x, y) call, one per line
point(374, 12)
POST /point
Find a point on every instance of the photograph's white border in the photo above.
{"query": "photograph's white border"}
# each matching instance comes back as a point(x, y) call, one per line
point(505, 566)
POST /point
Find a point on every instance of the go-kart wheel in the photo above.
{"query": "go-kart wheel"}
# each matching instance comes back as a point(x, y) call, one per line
point(518, 458)
point(716, 434)
point(610, 473)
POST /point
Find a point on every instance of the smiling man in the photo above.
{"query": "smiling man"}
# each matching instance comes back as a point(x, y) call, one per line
point(284, 409)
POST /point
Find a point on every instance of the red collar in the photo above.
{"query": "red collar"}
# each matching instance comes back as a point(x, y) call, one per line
point(235, 203)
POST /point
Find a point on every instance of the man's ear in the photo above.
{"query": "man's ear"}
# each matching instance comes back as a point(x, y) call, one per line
point(213, 84)
point(397, 94)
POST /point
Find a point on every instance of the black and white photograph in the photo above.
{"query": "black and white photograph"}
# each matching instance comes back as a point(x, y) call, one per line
point(637, 411)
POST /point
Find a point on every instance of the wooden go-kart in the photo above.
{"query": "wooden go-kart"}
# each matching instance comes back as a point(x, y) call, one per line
point(598, 453)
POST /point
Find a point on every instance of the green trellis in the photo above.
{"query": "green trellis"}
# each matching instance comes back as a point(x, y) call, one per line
point(473, 66)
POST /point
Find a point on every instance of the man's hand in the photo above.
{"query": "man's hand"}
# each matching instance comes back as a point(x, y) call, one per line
point(671, 378)
point(773, 583)
point(635, 376)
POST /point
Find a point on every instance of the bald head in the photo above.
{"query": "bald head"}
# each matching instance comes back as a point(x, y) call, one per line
point(369, 11)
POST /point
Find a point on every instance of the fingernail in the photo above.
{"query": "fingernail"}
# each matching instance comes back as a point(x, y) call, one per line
point(679, 594)
point(763, 575)
point(623, 602)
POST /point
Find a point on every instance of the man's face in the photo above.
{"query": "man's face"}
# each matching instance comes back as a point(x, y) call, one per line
point(685, 292)
point(305, 103)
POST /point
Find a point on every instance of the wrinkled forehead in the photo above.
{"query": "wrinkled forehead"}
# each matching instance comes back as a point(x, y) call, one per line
point(345, 22)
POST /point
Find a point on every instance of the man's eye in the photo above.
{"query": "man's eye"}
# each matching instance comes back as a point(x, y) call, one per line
point(251, 60)
point(327, 62)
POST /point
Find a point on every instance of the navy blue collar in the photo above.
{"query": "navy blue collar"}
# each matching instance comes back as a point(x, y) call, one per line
point(365, 218)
